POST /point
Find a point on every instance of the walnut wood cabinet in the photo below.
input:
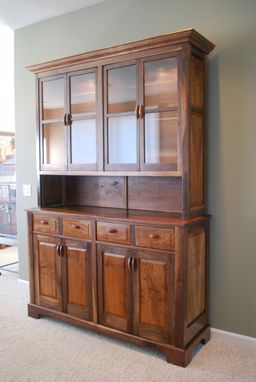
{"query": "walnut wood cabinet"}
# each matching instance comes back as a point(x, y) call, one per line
point(119, 241)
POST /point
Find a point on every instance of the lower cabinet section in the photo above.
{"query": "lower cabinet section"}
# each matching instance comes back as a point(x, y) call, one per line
point(149, 289)
point(62, 275)
point(135, 291)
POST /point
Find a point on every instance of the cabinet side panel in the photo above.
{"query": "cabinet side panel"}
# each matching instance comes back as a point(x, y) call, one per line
point(96, 191)
point(197, 82)
point(196, 275)
point(155, 194)
point(197, 161)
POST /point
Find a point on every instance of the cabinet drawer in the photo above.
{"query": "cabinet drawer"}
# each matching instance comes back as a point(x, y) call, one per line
point(116, 233)
point(77, 228)
point(158, 238)
point(45, 224)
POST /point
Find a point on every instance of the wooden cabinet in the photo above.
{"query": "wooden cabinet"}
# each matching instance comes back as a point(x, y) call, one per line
point(62, 272)
point(119, 241)
point(135, 291)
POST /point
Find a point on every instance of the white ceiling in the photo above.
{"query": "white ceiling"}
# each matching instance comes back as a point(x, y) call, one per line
point(20, 13)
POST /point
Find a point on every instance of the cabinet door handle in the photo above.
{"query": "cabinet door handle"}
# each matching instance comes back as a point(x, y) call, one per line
point(58, 249)
point(154, 236)
point(129, 264)
point(61, 250)
point(137, 114)
point(76, 226)
point(45, 222)
point(141, 111)
point(112, 230)
point(133, 264)
point(69, 119)
point(65, 119)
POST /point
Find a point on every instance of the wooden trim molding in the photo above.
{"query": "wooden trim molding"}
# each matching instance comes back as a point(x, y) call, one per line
point(187, 35)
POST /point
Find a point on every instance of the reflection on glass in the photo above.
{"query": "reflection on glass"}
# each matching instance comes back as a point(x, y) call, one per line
point(122, 140)
point(161, 137)
point(160, 83)
point(122, 89)
point(53, 99)
point(53, 144)
point(83, 94)
point(83, 141)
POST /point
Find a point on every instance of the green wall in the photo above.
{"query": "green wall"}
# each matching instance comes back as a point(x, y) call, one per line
point(230, 24)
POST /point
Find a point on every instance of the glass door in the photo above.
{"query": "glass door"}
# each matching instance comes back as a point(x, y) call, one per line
point(52, 123)
point(82, 121)
point(121, 120)
point(159, 115)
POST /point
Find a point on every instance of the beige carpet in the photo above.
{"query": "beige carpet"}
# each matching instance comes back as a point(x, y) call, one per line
point(8, 255)
point(46, 350)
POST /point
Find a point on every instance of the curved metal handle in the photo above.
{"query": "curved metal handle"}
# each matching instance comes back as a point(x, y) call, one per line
point(129, 264)
point(133, 264)
point(112, 230)
point(61, 250)
point(141, 111)
point(65, 119)
point(58, 249)
point(154, 236)
point(136, 111)
point(69, 119)
point(45, 222)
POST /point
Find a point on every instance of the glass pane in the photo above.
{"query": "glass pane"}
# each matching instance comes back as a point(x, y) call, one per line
point(122, 139)
point(83, 141)
point(122, 89)
point(83, 94)
point(53, 99)
point(161, 83)
point(54, 144)
point(161, 137)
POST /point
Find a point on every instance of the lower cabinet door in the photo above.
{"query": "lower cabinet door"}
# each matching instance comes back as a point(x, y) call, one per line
point(47, 272)
point(114, 287)
point(153, 282)
point(77, 291)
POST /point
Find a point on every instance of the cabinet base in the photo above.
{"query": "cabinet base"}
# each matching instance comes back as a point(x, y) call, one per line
point(174, 355)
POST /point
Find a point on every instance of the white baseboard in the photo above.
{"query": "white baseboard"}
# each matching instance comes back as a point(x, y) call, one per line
point(233, 338)
point(23, 282)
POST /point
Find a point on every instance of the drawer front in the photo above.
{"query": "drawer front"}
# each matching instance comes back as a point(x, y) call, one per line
point(115, 233)
point(158, 238)
point(45, 224)
point(77, 228)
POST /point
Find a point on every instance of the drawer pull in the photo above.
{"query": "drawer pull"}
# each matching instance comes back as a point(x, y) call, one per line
point(45, 222)
point(154, 236)
point(113, 230)
point(76, 226)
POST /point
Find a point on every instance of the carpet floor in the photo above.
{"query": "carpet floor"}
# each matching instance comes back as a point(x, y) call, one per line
point(47, 350)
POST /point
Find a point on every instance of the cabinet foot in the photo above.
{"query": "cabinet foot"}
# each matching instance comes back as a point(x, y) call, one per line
point(32, 312)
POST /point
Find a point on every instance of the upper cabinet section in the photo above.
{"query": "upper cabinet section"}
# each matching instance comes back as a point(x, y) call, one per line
point(126, 110)
point(68, 128)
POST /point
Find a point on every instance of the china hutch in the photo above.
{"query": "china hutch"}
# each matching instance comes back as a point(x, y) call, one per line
point(119, 241)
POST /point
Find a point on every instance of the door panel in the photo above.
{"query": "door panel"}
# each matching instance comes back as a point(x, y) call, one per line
point(115, 287)
point(78, 281)
point(153, 301)
point(48, 272)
